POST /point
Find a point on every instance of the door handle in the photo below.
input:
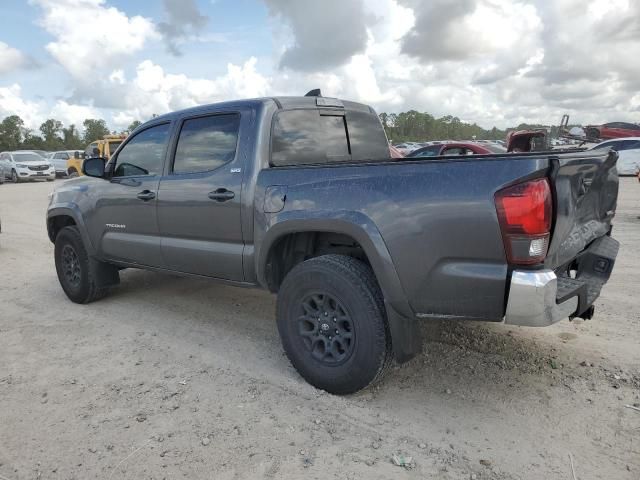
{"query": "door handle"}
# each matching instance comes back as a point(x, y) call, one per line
point(146, 195)
point(221, 195)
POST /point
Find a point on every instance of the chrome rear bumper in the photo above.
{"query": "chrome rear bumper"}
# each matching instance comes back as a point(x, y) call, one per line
point(532, 299)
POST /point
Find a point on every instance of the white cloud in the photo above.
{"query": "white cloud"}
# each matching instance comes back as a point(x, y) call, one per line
point(72, 114)
point(12, 103)
point(153, 91)
point(11, 58)
point(89, 35)
point(33, 113)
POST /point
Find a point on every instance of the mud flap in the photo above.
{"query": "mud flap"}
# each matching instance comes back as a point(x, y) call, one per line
point(406, 339)
point(106, 275)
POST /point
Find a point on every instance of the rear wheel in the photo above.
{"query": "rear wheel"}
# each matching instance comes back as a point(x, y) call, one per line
point(78, 274)
point(333, 325)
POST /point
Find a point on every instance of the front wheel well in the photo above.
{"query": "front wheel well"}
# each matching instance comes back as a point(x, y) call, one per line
point(55, 224)
point(294, 248)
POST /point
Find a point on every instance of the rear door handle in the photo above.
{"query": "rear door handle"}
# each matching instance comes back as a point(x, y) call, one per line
point(146, 195)
point(221, 195)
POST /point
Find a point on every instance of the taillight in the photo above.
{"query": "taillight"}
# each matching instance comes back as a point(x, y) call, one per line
point(524, 212)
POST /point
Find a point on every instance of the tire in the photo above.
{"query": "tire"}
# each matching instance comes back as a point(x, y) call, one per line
point(73, 174)
point(14, 177)
point(345, 289)
point(50, 179)
point(77, 273)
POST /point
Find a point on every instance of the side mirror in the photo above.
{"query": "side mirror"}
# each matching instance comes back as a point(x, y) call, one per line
point(94, 167)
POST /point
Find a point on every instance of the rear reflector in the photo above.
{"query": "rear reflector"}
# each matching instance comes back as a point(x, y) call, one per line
point(524, 213)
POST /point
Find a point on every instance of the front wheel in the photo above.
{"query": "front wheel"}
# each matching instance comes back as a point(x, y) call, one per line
point(14, 176)
point(79, 275)
point(73, 174)
point(332, 323)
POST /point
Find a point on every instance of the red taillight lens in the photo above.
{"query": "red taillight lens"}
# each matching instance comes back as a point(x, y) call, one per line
point(524, 212)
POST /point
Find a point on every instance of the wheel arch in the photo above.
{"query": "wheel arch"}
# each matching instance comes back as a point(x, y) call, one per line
point(404, 328)
point(64, 216)
point(359, 228)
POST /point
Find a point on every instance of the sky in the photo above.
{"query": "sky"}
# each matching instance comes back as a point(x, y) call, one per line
point(492, 62)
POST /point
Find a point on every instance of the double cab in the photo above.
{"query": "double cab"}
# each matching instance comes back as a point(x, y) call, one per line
point(300, 196)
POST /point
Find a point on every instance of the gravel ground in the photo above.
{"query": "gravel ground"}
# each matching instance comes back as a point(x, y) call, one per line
point(179, 378)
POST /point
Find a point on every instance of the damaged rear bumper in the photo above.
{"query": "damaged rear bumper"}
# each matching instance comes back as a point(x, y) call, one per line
point(542, 297)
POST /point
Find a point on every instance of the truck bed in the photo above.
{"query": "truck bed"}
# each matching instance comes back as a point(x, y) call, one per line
point(437, 219)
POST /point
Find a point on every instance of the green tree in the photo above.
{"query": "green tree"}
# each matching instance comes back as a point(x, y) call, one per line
point(94, 130)
point(11, 133)
point(71, 138)
point(135, 124)
point(32, 141)
point(51, 130)
point(420, 126)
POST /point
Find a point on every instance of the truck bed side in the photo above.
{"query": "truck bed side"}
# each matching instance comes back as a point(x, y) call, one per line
point(437, 220)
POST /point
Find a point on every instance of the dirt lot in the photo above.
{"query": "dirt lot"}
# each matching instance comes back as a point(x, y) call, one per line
point(177, 378)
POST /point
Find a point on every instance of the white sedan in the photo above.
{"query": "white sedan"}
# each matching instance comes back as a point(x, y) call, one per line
point(628, 154)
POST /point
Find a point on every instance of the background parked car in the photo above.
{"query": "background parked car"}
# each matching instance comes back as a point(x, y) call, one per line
point(628, 154)
point(613, 130)
point(59, 160)
point(407, 147)
point(455, 148)
point(24, 165)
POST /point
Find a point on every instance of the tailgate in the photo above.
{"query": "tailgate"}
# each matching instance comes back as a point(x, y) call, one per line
point(585, 188)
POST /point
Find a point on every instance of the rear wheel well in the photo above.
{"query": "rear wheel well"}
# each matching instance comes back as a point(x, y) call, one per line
point(294, 248)
point(55, 224)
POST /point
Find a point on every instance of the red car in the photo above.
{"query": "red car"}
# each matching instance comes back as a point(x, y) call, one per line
point(612, 130)
point(456, 148)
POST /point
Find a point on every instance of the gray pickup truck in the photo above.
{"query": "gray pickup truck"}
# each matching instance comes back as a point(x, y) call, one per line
point(299, 195)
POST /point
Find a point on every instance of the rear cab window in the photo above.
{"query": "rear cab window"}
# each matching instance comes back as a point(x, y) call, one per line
point(326, 136)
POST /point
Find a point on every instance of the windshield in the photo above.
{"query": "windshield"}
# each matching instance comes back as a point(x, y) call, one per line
point(113, 146)
point(27, 157)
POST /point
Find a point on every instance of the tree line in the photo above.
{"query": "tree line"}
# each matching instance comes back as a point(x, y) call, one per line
point(52, 135)
point(414, 126)
point(400, 127)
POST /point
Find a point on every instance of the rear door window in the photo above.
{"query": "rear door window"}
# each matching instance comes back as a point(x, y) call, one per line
point(206, 143)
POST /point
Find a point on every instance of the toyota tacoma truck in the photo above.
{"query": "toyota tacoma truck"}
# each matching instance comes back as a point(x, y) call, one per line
point(299, 196)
